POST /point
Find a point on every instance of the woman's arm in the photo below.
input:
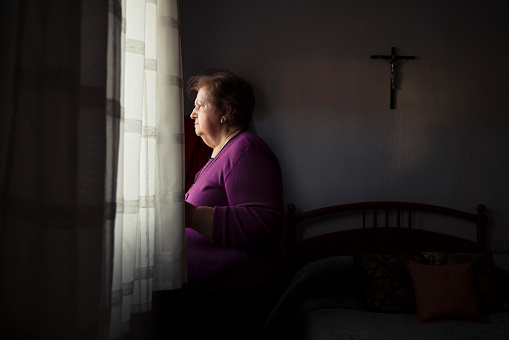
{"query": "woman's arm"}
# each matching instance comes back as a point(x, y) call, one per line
point(254, 216)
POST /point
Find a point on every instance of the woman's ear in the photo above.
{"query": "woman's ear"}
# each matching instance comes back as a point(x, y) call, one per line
point(227, 115)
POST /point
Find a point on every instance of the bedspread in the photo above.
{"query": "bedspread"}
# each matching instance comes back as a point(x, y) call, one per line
point(324, 301)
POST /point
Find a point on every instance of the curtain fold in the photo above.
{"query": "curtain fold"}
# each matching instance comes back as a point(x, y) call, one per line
point(58, 173)
point(149, 247)
point(65, 145)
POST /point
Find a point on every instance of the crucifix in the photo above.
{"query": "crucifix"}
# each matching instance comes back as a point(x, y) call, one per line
point(393, 59)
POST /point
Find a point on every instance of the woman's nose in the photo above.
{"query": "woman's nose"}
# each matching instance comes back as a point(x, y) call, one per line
point(193, 114)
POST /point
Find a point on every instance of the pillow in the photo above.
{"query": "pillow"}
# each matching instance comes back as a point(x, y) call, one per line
point(387, 286)
point(491, 294)
point(445, 293)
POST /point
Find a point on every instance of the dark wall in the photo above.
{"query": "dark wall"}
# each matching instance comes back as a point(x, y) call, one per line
point(323, 104)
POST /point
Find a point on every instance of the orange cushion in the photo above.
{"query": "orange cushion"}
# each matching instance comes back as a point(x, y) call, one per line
point(445, 293)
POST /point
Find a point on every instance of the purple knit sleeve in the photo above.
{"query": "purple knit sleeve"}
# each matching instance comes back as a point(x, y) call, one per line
point(254, 216)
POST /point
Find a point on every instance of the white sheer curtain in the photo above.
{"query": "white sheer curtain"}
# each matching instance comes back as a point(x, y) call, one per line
point(149, 250)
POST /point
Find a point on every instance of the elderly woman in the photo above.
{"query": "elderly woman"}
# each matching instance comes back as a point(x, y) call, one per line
point(236, 254)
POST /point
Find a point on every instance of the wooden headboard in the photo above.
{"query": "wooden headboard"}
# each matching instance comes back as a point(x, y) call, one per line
point(387, 227)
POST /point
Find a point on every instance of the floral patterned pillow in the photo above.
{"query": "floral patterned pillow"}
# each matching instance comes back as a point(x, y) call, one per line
point(387, 285)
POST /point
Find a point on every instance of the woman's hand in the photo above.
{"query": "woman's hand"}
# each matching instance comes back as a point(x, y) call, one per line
point(199, 219)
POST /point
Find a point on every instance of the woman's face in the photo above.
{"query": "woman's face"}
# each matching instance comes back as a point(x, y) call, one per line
point(206, 117)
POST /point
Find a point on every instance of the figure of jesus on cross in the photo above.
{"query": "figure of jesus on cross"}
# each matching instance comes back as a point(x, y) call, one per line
point(393, 59)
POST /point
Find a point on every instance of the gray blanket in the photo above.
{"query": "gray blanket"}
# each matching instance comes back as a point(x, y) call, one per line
point(324, 301)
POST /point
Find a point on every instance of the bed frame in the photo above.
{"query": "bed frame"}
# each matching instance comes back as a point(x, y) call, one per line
point(387, 227)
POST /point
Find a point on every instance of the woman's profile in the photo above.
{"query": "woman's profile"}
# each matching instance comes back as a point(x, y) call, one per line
point(236, 253)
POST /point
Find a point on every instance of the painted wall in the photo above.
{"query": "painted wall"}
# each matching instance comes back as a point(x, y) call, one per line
point(323, 104)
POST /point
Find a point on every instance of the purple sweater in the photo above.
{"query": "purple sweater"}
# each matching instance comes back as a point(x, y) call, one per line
point(244, 185)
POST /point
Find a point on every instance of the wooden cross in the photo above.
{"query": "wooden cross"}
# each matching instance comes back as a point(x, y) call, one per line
point(393, 59)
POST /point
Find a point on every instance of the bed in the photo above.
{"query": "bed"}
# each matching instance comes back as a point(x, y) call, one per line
point(394, 271)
